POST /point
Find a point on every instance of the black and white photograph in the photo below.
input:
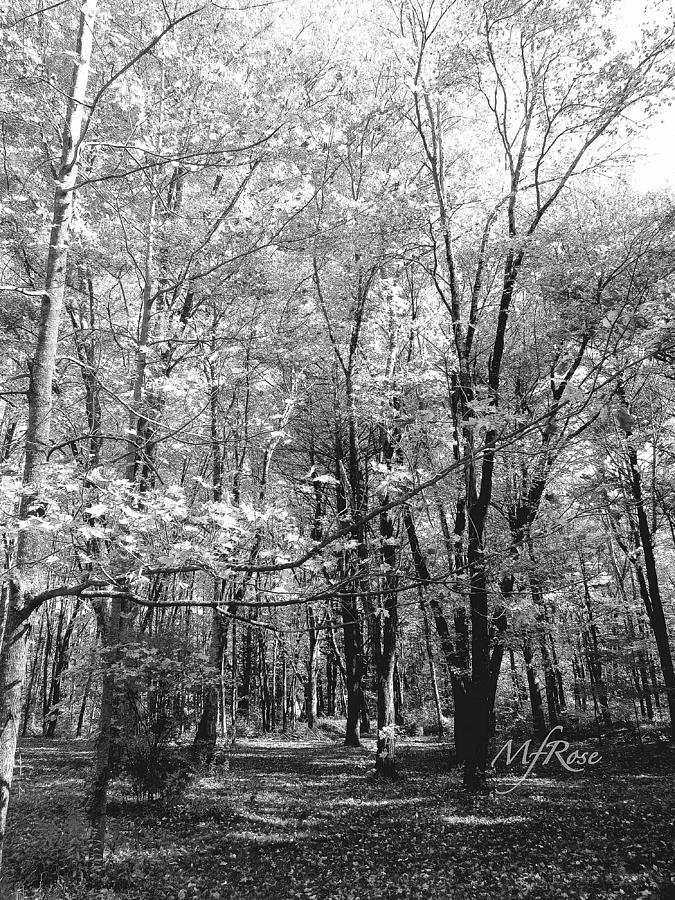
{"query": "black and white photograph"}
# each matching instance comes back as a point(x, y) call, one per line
point(337, 449)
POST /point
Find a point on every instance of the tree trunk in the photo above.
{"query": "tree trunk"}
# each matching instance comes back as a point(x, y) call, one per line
point(204, 746)
point(83, 706)
point(652, 596)
point(27, 573)
point(549, 682)
point(61, 662)
point(562, 703)
point(32, 677)
point(244, 704)
point(233, 688)
point(478, 713)
point(398, 695)
point(385, 629)
point(311, 693)
point(593, 647)
point(98, 802)
point(432, 670)
point(284, 695)
point(538, 722)
point(353, 663)
point(456, 658)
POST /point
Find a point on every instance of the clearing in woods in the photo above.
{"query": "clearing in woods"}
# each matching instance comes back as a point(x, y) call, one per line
point(308, 819)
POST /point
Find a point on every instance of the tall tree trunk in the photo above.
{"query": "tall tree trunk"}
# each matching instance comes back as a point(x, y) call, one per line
point(61, 662)
point(538, 721)
point(353, 663)
point(33, 675)
point(385, 630)
point(398, 694)
point(83, 705)
point(205, 738)
point(313, 660)
point(478, 720)
point(244, 705)
point(549, 682)
point(98, 802)
point(284, 695)
point(515, 680)
point(432, 668)
point(562, 703)
point(456, 658)
point(274, 694)
point(652, 594)
point(27, 575)
point(594, 657)
point(233, 687)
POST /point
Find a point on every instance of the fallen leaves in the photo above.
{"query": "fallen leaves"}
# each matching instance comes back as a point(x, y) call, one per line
point(310, 821)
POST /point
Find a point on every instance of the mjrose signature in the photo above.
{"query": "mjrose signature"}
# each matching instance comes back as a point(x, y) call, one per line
point(573, 761)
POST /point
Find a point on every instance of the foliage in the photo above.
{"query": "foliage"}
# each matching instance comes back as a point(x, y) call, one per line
point(362, 402)
point(155, 769)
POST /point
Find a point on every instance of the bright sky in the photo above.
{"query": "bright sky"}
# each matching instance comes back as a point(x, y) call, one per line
point(655, 165)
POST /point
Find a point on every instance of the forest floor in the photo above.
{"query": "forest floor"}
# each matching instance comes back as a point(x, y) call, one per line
point(308, 819)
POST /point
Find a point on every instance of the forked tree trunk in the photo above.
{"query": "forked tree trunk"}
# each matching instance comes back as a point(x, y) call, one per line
point(27, 573)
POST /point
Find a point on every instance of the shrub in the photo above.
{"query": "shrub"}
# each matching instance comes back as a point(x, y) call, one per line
point(155, 769)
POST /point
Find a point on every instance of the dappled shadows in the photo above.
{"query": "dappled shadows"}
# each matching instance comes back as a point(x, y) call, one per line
point(311, 820)
point(297, 758)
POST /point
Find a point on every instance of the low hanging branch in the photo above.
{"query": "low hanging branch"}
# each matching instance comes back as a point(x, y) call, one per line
point(33, 603)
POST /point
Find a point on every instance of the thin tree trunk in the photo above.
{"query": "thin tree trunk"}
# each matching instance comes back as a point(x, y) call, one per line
point(61, 662)
point(538, 722)
point(515, 680)
point(385, 628)
point(33, 675)
point(593, 649)
point(284, 695)
point(432, 668)
point(311, 696)
point(83, 706)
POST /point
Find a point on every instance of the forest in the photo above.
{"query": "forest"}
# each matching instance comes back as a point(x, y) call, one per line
point(337, 443)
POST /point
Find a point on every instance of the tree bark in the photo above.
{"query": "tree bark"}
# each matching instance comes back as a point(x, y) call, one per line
point(98, 802)
point(652, 594)
point(311, 691)
point(27, 577)
point(384, 647)
point(538, 721)
point(432, 668)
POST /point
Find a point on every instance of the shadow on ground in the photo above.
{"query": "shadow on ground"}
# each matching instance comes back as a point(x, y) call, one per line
point(310, 820)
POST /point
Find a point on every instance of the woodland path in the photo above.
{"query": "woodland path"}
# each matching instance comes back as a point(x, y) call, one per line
point(308, 819)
